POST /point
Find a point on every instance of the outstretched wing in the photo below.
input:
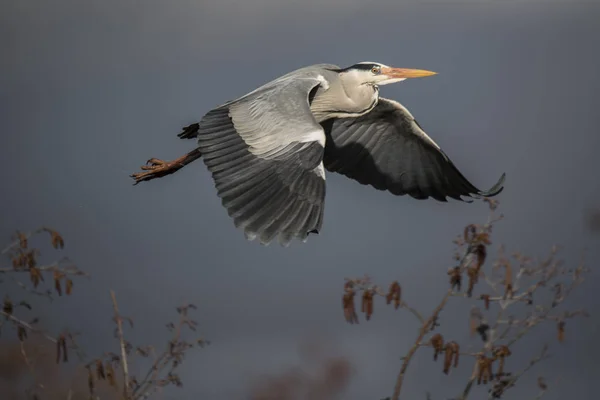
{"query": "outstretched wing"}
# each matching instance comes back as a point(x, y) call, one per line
point(387, 149)
point(265, 153)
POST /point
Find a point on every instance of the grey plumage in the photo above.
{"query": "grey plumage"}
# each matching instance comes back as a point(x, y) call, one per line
point(387, 149)
point(268, 150)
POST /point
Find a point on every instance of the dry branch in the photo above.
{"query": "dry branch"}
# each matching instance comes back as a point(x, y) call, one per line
point(425, 328)
point(513, 280)
point(119, 322)
point(25, 262)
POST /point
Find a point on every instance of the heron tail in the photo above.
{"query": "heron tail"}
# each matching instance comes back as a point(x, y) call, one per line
point(189, 132)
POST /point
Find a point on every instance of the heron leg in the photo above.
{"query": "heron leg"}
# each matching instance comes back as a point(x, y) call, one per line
point(156, 168)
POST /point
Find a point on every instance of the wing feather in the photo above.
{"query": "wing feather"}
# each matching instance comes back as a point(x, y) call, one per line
point(265, 153)
point(387, 149)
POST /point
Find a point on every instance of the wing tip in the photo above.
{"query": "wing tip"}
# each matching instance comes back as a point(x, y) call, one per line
point(494, 190)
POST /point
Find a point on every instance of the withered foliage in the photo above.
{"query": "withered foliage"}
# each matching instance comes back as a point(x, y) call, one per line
point(369, 292)
point(110, 371)
point(509, 281)
point(47, 380)
point(26, 260)
point(161, 368)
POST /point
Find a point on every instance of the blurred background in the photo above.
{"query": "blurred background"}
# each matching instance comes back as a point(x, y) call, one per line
point(90, 90)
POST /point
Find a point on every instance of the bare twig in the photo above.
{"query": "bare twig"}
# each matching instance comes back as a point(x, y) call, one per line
point(25, 263)
point(425, 328)
point(26, 325)
point(501, 386)
point(119, 322)
point(513, 280)
point(413, 312)
point(170, 359)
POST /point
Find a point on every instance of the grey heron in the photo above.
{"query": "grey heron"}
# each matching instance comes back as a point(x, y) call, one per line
point(268, 150)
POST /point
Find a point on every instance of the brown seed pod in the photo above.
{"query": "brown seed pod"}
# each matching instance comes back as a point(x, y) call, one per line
point(69, 286)
point(100, 370)
point(451, 356)
point(57, 285)
point(486, 300)
point(500, 353)
point(455, 278)
point(61, 349)
point(348, 307)
point(473, 274)
point(31, 258)
point(35, 276)
point(456, 353)
point(110, 374)
point(8, 306)
point(56, 240)
point(367, 303)
point(437, 342)
point(484, 369)
point(480, 253)
point(394, 294)
point(508, 286)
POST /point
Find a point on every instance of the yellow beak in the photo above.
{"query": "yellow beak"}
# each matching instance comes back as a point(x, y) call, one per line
point(406, 73)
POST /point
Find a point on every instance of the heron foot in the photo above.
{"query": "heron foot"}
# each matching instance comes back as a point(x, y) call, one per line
point(156, 168)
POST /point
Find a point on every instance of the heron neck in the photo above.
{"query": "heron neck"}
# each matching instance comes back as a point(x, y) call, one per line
point(342, 100)
point(361, 98)
point(362, 95)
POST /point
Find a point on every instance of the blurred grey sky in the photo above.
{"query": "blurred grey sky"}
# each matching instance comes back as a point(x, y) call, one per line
point(90, 90)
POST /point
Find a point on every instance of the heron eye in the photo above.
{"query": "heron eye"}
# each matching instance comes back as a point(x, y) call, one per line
point(375, 70)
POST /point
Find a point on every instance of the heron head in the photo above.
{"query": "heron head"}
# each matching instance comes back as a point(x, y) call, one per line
point(373, 73)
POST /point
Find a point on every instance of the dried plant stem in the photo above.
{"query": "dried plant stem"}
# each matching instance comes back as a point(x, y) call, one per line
point(423, 331)
point(149, 384)
point(543, 355)
point(27, 236)
point(119, 322)
point(413, 311)
point(26, 325)
point(26, 359)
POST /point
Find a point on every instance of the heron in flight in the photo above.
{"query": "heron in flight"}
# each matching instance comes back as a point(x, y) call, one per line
point(268, 150)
